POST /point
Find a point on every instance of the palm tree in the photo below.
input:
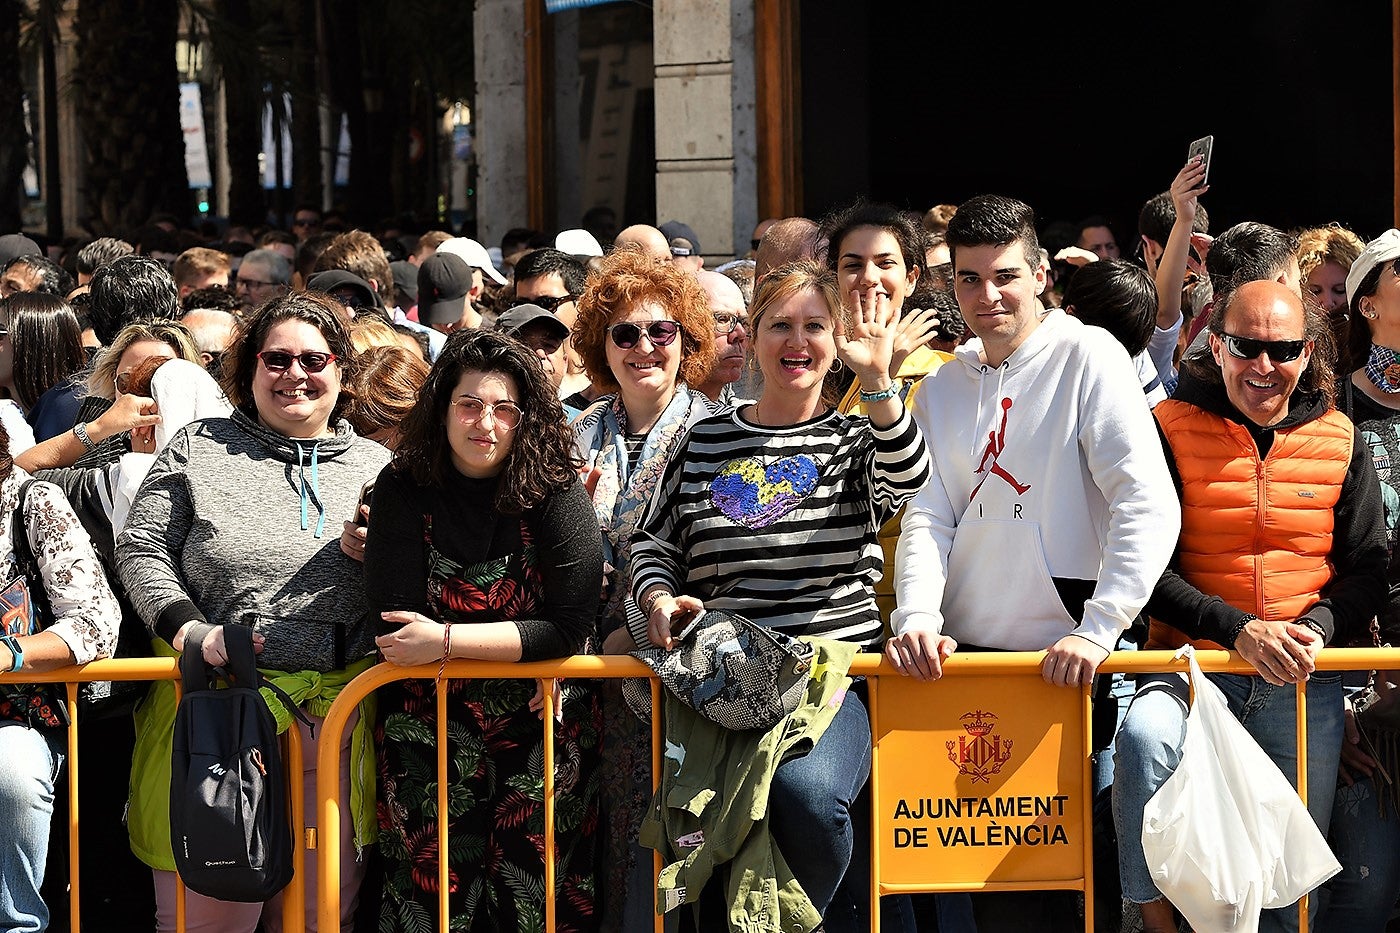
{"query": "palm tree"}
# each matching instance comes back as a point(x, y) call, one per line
point(14, 139)
point(129, 112)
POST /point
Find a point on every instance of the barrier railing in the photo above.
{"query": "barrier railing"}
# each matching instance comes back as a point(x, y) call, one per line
point(992, 665)
point(888, 720)
point(152, 670)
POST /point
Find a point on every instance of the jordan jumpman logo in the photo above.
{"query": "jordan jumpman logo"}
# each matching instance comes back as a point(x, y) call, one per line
point(996, 443)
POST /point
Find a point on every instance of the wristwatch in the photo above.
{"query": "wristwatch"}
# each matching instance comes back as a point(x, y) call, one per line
point(11, 642)
point(80, 432)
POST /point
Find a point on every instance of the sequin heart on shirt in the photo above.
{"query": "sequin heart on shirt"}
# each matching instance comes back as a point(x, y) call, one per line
point(755, 496)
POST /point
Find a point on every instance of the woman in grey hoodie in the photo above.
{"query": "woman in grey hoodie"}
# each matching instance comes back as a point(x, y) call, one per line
point(230, 528)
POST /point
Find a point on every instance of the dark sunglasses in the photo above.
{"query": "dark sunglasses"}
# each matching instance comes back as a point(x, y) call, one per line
point(311, 361)
point(625, 334)
point(549, 302)
point(1247, 348)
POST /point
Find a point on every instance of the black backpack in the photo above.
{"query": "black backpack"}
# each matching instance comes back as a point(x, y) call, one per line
point(228, 791)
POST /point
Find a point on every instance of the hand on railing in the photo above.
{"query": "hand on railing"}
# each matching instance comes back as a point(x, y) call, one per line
point(417, 640)
point(1282, 652)
point(920, 654)
point(1072, 661)
point(537, 701)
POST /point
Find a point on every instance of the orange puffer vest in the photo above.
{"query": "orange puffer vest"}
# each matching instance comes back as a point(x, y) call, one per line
point(1258, 534)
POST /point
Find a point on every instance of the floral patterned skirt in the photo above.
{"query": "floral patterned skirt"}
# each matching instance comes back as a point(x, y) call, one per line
point(495, 768)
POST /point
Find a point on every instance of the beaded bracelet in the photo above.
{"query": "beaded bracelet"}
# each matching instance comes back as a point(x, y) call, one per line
point(888, 392)
point(446, 648)
point(1239, 626)
point(1315, 626)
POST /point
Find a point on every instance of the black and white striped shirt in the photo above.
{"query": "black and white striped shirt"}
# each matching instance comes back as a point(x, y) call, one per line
point(779, 524)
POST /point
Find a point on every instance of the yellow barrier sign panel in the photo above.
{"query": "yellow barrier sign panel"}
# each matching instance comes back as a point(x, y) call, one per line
point(979, 779)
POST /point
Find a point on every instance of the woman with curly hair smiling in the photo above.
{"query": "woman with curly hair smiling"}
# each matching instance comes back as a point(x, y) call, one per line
point(483, 545)
point(646, 335)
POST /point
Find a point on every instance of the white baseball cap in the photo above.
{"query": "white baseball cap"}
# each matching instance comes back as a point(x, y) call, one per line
point(1382, 249)
point(474, 253)
point(577, 242)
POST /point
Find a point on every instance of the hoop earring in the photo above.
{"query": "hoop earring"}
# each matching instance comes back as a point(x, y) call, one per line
point(837, 366)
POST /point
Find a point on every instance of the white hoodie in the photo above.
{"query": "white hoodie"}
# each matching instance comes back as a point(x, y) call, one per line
point(1048, 466)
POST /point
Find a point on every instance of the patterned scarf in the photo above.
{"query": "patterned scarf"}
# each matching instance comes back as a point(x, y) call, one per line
point(1383, 369)
point(624, 491)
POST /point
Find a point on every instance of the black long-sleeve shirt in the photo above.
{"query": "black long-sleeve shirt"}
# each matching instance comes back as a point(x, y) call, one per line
point(467, 529)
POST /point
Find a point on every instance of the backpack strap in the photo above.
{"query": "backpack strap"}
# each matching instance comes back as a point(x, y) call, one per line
point(241, 668)
point(26, 562)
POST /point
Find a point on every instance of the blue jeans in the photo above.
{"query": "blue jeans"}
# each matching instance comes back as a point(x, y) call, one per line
point(1368, 846)
point(1120, 695)
point(1149, 750)
point(32, 761)
point(811, 798)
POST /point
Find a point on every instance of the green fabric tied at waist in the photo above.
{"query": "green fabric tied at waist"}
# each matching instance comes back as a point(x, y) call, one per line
point(315, 692)
point(148, 819)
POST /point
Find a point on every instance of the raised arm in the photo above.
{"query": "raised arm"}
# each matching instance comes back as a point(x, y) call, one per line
point(1186, 191)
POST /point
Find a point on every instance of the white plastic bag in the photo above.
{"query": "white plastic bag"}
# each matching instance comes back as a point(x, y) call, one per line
point(1226, 835)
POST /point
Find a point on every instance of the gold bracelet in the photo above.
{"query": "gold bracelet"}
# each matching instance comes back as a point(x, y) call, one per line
point(446, 648)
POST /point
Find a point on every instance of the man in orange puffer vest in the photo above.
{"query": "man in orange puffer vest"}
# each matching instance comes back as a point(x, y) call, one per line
point(1282, 548)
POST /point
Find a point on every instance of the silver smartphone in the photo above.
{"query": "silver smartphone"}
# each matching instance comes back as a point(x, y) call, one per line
point(1202, 147)
point(683, 623)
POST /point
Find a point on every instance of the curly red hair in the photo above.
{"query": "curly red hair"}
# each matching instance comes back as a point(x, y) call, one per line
point(629, 278)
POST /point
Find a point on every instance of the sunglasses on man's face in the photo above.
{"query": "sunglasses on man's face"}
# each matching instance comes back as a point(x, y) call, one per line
point(1247, 348)
point(550, 303)
point(311, 361)
point(626, 334)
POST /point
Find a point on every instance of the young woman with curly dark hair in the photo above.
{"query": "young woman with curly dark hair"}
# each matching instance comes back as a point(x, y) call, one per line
point(483, 544)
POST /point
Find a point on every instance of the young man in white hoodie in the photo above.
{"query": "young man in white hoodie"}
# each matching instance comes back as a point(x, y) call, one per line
point(1050, 514)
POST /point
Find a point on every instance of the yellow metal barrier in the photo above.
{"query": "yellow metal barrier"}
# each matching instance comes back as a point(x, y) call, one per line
point(1071, 783)
point(156, 669)
point(326, 841)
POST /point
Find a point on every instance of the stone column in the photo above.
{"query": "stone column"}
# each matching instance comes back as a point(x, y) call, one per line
point(705, 138)
point(498, 118)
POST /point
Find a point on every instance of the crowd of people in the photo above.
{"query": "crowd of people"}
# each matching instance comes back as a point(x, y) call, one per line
point(881, 431)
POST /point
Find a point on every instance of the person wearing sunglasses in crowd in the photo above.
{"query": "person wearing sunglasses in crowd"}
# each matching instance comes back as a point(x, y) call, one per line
point(1366, 814)
point(646, 336)
point(1281, 552)
point(237, 524)
point(553, 280)
point(484, 546)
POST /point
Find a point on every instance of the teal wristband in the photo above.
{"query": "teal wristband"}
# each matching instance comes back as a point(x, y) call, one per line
point(9, 641)
point(888, 392)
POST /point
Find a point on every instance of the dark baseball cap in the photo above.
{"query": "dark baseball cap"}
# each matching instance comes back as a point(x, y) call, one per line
point(15, 245)
point(333, 280)
point(522, 316)
point(444, 280)
point(675, 230)
point(406, 278)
